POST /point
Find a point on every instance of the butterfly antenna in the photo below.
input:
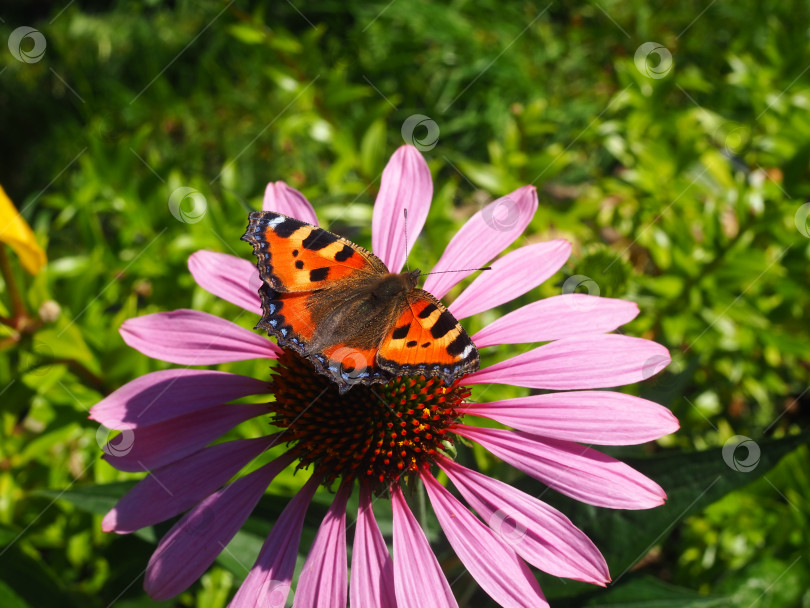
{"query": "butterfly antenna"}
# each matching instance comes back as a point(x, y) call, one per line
point(405, 215)
point(458, 270)
point(408, 266)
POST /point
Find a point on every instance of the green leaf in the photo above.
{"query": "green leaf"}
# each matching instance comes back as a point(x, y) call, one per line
point(94, 499)
point(647, 592)
point(31, 580)
point(98, 500)
point(372, 149)
point(9, 599)
point(489, 178)
point(247, 33)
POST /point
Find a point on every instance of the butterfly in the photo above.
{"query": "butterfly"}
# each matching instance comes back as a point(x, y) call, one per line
point(337, 305)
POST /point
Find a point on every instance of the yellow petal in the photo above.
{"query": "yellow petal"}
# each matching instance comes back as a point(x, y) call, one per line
point(15, 232)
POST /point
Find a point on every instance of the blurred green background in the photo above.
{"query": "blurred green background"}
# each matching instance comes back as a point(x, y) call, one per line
point(680, 178)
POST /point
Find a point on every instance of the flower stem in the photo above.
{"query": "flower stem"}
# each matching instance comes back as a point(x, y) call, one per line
point(16, 300)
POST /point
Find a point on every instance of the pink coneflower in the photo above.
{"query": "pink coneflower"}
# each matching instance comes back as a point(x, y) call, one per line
point(379, 437)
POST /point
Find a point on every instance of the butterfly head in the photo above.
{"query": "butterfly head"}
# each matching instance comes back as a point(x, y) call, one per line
point(413, 276)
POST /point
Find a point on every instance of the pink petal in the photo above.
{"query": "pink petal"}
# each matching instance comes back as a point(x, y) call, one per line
point(323, 582)
point(563, 316)
point(190, 337)
point(418, 578)
point(600, 417)
point(170, 393)
point(372, 584)
point(569, 468)
point(157, 445)
point(284, 199)
point(543, 536)
point(406, 184)
point(233, 279)
point(490, 561)
point(179, 486)
point(483, 237)
point(511, 276)
point(593, 361)
point(194, 542)
point(268, 583)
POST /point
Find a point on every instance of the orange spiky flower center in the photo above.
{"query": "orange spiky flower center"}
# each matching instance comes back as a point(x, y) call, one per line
point(373, 433)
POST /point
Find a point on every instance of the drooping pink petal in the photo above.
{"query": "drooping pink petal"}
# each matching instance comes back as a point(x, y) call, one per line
point(170, 393)
point(284, 199)
point(172, 489)
point(540, 534)
point(268, 583)
point(492, 563)
point(484, 236)
point(418, 578)
point(323, 582)
point(569, 468)
point(233, 279)
point(600, 417)
point(191, 337)
point(592, 361)
point(372, 583)
point(157, 445)
point(511, 276)
point(194, 542)
point(406, 185)
point(563, 316)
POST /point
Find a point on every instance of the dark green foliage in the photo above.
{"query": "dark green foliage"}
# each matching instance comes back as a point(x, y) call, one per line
point(684, 193)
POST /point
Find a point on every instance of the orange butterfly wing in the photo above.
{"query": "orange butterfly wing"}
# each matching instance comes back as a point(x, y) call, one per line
point(312, 276)
point(294, 256)
point(299, 264)
point(427, 339)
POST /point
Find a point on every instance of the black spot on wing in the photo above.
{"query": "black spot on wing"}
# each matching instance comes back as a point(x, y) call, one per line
point(295, 253)
point(411, 344)
point(457, 346)
point(400, 332)
point(318, 239)
point(344, 254)
point(428, 310)
point(299, 264)
point(443, 324)
point(318, 274)
point(287, 227)
point(426, 344)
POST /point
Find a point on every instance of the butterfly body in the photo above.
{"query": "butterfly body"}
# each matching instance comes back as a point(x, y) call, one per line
point(337, 305)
